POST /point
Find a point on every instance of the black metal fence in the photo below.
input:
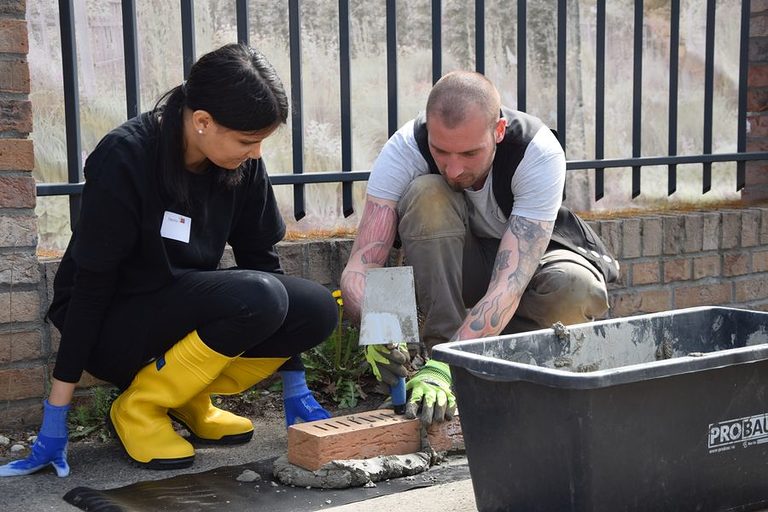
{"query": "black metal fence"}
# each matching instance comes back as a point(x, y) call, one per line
point(298, 179)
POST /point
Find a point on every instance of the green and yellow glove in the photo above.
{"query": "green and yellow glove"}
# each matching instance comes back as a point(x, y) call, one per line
point(431, 392)
point(388, 362)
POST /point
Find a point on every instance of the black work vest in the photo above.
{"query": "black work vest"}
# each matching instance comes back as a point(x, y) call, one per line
point(570, 231)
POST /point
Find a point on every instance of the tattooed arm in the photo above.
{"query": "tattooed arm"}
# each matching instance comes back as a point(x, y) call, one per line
point(374, 239)
point(520, 250)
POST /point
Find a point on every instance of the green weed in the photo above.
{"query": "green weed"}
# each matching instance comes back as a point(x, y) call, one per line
point(87, 419)
point(337, 365)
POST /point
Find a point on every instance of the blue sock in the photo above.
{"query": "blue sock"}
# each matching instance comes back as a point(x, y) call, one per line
point(54, 420)
point(294, 383)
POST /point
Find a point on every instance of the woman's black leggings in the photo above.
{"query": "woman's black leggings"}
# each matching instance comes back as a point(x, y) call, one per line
point(235, 311)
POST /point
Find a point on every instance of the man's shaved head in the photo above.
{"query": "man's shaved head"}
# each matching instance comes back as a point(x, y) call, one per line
point(459, 93)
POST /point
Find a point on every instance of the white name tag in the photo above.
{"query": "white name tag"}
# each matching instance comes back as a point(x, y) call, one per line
point(176, 227)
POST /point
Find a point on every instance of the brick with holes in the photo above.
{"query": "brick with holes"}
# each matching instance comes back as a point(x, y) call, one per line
point(366, 435)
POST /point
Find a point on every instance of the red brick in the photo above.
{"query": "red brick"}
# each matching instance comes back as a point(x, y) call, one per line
point(631, 238)
point(14, 76)
point(756, 173)
point(16, 115)
point(678, 269)
point(757, 99)
point(758, 26)
point(711, 231)
point(610, 233)
point(20, 346)
point(17, 192)
point(652, 236)
point(17, 155)
point(757, 143)
point(637, 302)
point(13, 36)
point(18, 231)
point(763, 225)
point(731, 229)
point(760, 261)
point(758, 125)
point(703, 295)
point(694, 236)
point(736, 264)
point(673, 234)
point(751, 289)
point(750, 227)
point(19, 306)
point(758, 5)
point(757, 75)
point(365, 435)
point(19, 267)
point(17, 383)
point(706, 266)
point(648, 272)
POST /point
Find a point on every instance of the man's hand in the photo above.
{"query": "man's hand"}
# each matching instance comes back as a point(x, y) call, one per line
point(431, 392)
point(49, 448)
point(388, 362)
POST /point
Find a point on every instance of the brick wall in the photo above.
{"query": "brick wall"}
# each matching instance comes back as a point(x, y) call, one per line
point(756, 187)
point(22, 353)
point(689, 259)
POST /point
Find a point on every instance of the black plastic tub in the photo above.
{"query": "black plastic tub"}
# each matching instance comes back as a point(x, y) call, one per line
point(655, 412)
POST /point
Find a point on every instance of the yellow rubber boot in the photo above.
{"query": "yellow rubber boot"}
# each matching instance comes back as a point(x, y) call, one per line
point(210, 424)
point(139, 415)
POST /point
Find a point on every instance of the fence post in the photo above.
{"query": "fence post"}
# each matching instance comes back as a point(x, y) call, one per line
point(756, 184)
point(22, 368)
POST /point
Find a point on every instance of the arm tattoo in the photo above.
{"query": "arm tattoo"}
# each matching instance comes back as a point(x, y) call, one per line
point(375, 233)
point(520, 250)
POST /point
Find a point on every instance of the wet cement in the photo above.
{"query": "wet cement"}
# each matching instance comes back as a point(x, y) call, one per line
point(341, 474)
point(236, 488)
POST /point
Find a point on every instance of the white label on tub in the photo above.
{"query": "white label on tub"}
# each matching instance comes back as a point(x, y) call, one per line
point(729, 434)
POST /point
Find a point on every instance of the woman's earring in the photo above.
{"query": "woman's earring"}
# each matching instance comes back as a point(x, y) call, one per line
point(200, 131)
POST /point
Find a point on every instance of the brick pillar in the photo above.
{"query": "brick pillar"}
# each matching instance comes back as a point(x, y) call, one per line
point(22, 370)
point(756, 188)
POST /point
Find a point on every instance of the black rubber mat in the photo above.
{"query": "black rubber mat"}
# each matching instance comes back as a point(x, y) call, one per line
point(218, 489)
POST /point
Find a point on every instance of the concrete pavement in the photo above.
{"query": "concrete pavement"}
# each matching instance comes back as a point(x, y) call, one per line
point(103, 466)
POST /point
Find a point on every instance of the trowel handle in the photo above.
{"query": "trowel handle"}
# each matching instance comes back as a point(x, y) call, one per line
point(398, 396)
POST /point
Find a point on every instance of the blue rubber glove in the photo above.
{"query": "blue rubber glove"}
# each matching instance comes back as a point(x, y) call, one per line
point(298, 401)
point(50, 447)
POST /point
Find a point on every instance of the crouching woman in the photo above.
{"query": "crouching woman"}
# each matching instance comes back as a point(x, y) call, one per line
point(138, 297)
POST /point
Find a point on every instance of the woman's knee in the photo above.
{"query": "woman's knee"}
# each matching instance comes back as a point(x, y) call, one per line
point(261, 298)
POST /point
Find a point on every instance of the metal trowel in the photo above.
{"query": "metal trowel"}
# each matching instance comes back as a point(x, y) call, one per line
point(389, 315)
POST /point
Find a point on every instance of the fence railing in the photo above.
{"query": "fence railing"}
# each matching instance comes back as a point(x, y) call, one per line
point(346, 175)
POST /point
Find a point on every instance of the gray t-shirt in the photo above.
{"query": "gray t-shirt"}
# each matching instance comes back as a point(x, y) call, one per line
point(537, 184)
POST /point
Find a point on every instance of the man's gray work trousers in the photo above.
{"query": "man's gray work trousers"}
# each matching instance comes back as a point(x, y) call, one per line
point(452, 268)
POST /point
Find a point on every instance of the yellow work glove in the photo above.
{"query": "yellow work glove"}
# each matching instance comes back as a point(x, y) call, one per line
point(388, 362)
point(431, 392)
